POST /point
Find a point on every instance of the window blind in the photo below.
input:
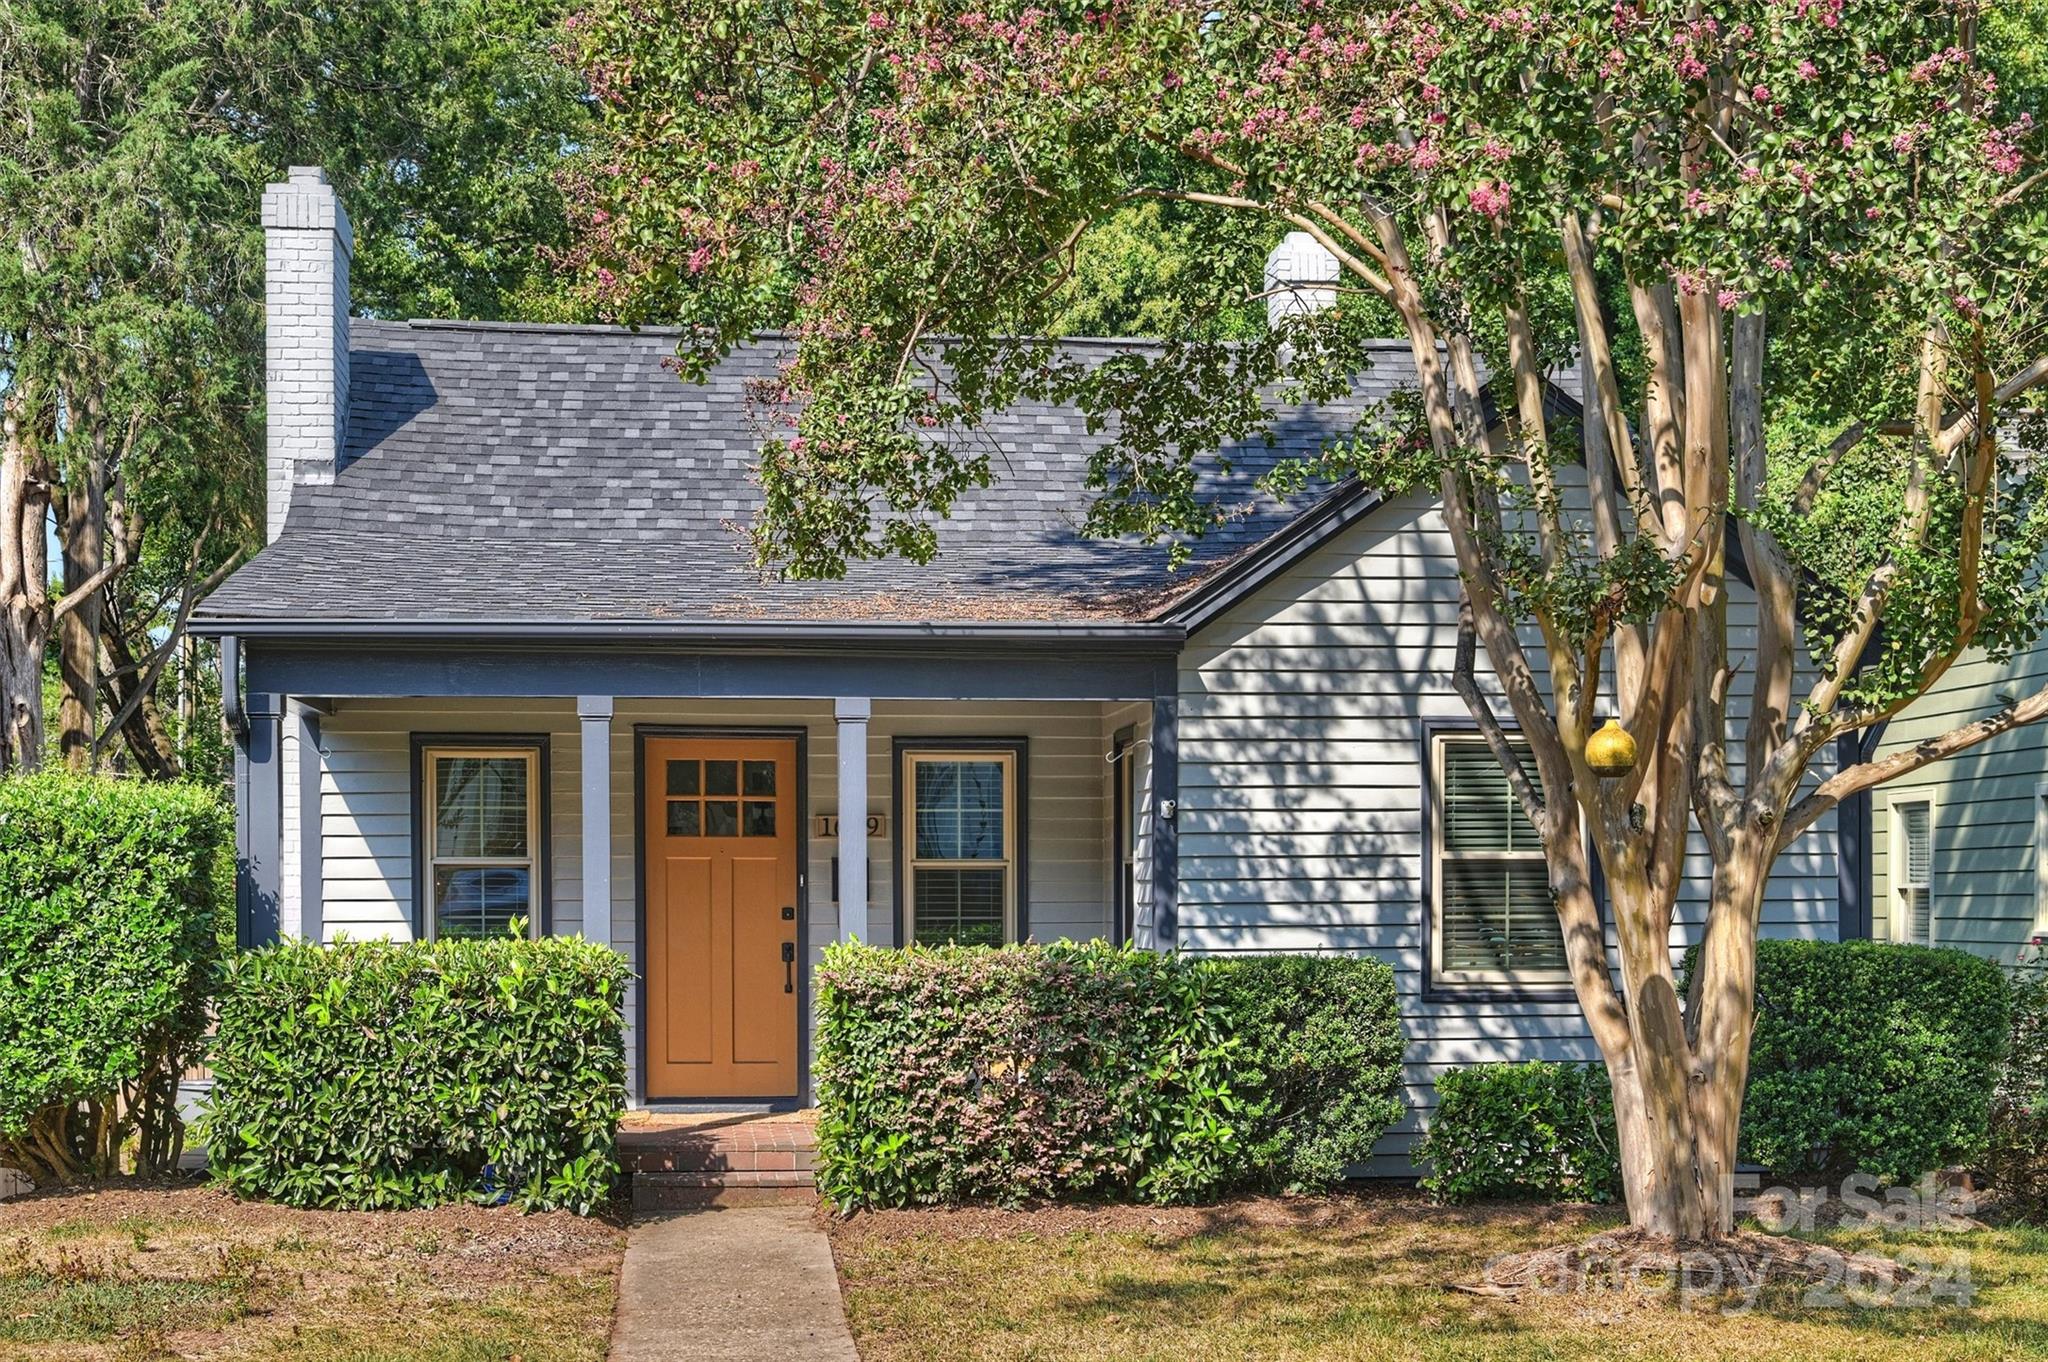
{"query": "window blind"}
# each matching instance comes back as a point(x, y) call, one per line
point(1494, 913)
point(1916, 854)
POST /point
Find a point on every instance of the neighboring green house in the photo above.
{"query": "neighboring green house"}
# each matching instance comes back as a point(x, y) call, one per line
point(1959, 849)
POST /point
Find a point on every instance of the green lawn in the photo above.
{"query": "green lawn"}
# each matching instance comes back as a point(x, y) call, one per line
point(1358, 1280)
point(174, 1272)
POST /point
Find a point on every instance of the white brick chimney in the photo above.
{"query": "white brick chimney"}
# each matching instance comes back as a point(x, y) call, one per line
point(1301, 277)
point(306, 248)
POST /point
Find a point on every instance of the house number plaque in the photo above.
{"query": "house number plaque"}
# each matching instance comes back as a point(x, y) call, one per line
point(826, 825)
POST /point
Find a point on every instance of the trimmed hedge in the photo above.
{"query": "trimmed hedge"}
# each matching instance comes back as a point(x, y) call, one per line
point(1537, 1130)
point(381, 1074)
point(1872, 1057)
point(2018, 1157)
point(1032, 1073)
point(113, 899)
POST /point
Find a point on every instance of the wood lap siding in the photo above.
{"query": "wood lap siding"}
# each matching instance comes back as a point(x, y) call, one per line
point(1303, 712)
point(1984, 886)
point(366, 839)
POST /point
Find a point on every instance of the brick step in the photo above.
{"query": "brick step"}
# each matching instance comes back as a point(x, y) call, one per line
point(689, 1191)
point(718, 1160)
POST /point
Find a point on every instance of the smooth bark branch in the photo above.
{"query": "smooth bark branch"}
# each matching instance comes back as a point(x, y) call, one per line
point(1813, 728)
point(1867, 775)
point(1467, 688)
point(1777, 622)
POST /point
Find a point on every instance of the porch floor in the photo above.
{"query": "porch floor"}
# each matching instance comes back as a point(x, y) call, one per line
point(721, 1159)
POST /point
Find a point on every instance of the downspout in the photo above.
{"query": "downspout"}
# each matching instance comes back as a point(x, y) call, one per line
point(231, 710)
point(1854, 885)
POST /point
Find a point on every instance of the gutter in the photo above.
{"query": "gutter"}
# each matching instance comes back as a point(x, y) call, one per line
point(1150, 636)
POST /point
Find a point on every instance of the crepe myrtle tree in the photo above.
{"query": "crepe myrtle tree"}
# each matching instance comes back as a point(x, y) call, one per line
point(1794, 245)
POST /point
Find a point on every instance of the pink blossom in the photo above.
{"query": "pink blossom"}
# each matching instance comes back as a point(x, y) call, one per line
point(1490, 200)
point(1779, 263)
point(1848, 140)
point(878, 20)
point(1761, 94)
point(1426, 156)
point(699, 259)
point(1727, 298)
point(1967, 306)
point(2000, 154)
point(1808, 71)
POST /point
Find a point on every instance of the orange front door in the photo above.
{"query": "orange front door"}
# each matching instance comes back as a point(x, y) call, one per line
point(721, 917)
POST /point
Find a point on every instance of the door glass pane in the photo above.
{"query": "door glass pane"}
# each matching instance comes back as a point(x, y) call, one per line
point(721, 777)
point(682, 778)
point(758, 778)
point(758, 818)
point(963, 907)
point(480, 901)
point(479, 806)
point(960, 810)
point(721, 817)
point(683, 820)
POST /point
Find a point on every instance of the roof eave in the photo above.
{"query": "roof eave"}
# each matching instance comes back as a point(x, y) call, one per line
point(761, 634)
point(1300, 537)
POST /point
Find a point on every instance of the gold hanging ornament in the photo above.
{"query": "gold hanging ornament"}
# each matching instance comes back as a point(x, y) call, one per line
point(1611, 752)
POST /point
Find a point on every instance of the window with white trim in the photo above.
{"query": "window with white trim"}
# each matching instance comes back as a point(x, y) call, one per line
point(481, 856)
point(1913, 871)
point(960, 852)
point(1492, 918)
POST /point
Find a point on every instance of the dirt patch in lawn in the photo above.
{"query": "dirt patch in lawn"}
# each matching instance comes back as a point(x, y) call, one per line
point(179, 1270)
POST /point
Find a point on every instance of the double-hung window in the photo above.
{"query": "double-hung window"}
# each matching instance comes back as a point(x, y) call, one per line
point(1912, 863)
point(481, 839)
point(1492, 918)
point(961, 858)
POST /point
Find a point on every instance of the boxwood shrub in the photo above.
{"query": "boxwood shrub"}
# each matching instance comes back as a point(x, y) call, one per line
point(113, 899)
point(1872, 1057)
point(1536, 1130)
point(2018, 1158)
point(1032, 1073)
point(381, 1074)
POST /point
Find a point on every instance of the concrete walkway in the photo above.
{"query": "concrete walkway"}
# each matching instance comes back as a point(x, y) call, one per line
point(730, 1284)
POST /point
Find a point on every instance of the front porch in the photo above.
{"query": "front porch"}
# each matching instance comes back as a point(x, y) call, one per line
point(416, 792)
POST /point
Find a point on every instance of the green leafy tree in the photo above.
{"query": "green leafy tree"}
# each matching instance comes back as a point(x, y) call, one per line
point(135, 139)
point(1794, 245)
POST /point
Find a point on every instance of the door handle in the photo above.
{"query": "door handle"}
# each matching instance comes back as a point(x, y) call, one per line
point(789, 967)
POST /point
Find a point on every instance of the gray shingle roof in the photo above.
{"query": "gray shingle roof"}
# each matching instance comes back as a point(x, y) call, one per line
point(545, 475)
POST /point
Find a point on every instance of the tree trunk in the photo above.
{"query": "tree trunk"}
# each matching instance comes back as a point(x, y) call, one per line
point(85, 554)
point(142, 730)
point(1679, 1076)
point(24, 594)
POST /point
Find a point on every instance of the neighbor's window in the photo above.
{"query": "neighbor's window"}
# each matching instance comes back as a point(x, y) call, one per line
point(482, 852)
point(960, 847)
point(1913, 866)
point(1492, 919)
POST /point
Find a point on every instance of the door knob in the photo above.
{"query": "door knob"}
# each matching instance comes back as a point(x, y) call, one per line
point(789, 967)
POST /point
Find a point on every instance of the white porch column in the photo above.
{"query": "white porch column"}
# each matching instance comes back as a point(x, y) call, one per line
point(852, 714)
point(595, 714)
